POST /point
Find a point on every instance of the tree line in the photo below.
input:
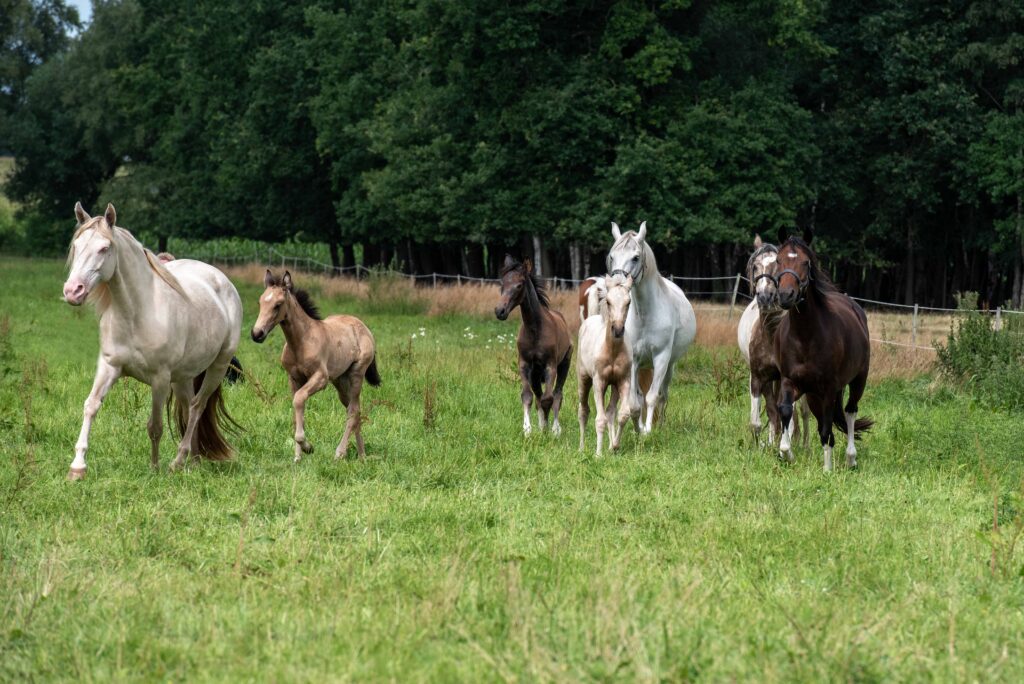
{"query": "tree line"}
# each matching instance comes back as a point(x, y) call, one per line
point(436, 135)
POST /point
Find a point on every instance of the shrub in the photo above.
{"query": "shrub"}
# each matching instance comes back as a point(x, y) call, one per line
point(989, 362)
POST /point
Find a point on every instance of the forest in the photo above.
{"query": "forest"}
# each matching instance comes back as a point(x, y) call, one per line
point(437, 135)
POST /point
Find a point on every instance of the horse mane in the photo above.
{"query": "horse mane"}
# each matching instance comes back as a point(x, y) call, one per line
point(820, 282)
point(538, 285)
point(301, 296)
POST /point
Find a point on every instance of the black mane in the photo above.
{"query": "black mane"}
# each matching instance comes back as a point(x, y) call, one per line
point(820, 282)
point(301, 296)
point(542, 292)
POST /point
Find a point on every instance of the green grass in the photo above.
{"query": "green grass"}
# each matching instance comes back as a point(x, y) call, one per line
point(465, 552)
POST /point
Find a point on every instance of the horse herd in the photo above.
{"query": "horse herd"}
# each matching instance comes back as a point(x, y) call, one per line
point(175, 325)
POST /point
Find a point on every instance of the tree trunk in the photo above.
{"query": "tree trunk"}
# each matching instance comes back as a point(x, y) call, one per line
point(538, 256)
point(910, 264)
point(475, 260)
point(348, 255)
point(1018, 298)
point(332, 246)
point(575, 261)
point(161, 243)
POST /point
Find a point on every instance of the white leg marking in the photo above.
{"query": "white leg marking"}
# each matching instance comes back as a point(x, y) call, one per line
point(526, 421)
point(828, 459)
point(755, 412)
point(851, 448)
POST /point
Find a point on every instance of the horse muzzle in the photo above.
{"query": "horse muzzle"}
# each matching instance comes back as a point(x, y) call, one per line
point(75, 292)
point(788, 298)
point(765, 301)
point(501, 313)
point(618, 331)
point(258, 335)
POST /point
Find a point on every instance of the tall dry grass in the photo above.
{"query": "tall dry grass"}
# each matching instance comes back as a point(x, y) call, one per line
point(716, 323)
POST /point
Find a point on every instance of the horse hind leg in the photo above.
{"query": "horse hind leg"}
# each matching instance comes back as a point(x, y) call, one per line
point(349, 390)
point(561, 372)
point(787, 395)
point(850, 414)
point(584, 383)
point(155, 426)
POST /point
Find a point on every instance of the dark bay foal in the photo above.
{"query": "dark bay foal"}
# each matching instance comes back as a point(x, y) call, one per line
point(545, 348)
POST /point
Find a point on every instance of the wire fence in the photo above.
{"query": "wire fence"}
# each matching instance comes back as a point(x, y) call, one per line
point(896, 331)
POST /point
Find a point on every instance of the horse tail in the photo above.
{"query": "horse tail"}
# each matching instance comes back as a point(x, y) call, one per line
point(209, 438)
point(372, 375)
point(860, 426)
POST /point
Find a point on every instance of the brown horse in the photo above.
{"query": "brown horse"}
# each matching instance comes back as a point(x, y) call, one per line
point(821, 347)
point(584, 294)
point(545, 349)
point(339, 350)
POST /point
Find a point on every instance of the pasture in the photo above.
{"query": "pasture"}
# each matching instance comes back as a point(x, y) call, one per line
point(461, 551)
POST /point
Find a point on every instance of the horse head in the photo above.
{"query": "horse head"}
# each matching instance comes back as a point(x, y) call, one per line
point(92, 258)
point(796, 267)
point(630, 254)
point(273, 309)
point(761, 269)
point(616, 292)
point(513, 285)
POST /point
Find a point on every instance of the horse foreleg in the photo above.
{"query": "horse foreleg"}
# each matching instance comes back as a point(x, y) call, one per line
point(787, 395)
point(155, 426)
point(755, 407)
point(824, 410)
point(601, 413)
point(561, 372)
point(770, 391)
point(526, 375)
point(584, 382)
point(314, 384)
point(623, 412)
point(661, 369)
point(634, 400)
point(106, 376)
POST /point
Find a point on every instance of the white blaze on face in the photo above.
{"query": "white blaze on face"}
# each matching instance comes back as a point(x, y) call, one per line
point(268, 297)
point(792, 255)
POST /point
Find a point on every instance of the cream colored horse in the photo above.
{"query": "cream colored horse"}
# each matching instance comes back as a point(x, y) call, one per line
point(339, 350)
point(604, 360)
point(174, 327)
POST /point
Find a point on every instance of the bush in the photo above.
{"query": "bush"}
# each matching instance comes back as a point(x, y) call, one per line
point(989, 362)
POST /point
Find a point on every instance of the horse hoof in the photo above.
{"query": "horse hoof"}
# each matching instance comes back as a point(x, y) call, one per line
point(307, 448)
point(75, 474)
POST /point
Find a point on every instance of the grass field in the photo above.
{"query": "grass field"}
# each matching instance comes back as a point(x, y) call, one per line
point(462, 551)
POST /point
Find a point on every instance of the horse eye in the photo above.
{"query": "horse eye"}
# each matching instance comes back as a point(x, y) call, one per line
point(103, 250)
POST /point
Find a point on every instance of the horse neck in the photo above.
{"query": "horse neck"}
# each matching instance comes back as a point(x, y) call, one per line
point(133, 285)
point(530, 306)
point(770, 319)
point(806, 318)
point(296, 324)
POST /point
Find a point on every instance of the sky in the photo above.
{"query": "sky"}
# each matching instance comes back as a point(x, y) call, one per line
point(84, 9)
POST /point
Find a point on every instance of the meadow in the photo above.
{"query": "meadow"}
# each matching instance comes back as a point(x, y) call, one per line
point(461, 551)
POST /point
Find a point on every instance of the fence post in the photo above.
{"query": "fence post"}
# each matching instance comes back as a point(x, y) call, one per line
point(735, 292)
point(433, 277)
point(458, 279)
point(999, 318)
point(913, 327)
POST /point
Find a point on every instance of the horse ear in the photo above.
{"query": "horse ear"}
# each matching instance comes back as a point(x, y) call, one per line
point(616, 233)
point(287, 280)
point(509, 261)
point(642, 233)
point(528, 266)
point(808, 234)
point(783, 234)
point(757, 241)
point(268, 279)
point(110, 215)
point(80, 213)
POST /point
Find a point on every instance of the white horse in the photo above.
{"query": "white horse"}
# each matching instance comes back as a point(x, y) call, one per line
point(660, 326)
point(174, 327)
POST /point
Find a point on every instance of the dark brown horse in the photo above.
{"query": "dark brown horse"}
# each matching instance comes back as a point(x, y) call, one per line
point(545, 348)
point(821, 347)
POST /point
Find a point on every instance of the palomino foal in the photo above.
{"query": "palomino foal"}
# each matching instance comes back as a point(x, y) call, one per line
point(604, 361)
point(339, 350)
point(545, 349)
point(174, 327)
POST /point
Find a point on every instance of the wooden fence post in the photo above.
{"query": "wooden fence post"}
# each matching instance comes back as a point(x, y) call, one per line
point(913, 328)
point(735, 292)
point(999, 318)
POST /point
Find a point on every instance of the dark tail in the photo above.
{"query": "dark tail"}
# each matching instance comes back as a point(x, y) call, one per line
point(210, 441)
point(234, 373)
point(860, 426)
point(372, 376)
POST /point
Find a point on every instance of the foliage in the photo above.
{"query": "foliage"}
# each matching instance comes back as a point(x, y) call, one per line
point(989, 361)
